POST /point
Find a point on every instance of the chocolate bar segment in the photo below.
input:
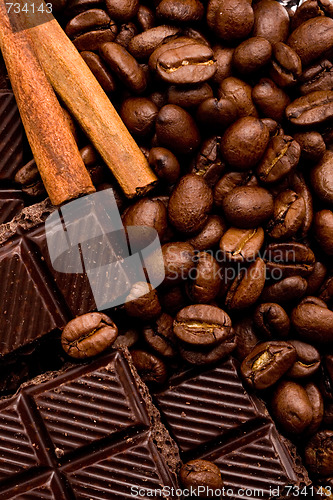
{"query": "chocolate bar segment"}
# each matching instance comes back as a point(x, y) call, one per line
point(11, 136)
point(88, 432)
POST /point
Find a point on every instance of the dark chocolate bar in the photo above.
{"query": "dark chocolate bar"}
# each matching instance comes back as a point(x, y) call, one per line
point(211, 416)
point(11, 136)
point(89, 432)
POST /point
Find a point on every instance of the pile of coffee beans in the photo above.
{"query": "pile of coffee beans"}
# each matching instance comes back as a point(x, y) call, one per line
point(232, 105)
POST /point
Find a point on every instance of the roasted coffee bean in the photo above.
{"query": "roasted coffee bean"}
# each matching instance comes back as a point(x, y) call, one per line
point(304, 12)
point(223, 57)
point(244, 143)
point(319, 453)
point(143, 45)
point(246, 287)
point(122, 10)
point(252, 54)
point(74, 7)
point(230, 181)
point(271, 320)
point(124, 66)
point(238, 245)
point(190, 204)
point(180, 11)
point(142, 302)
point(208, 355)
point(313, 322)
point(165, 164)
point(288, 216)
point(183, 61)
point(160, 337)
point(208, 162)
point(91, 28)
point(202, 325)
point(210, 234)
point(240, 93)
point(298, 184)
point(326, 380)
point(290, 258)
point(176, 130)
point(150, 368)
point(230, 19)
point(126, 33)
point(285, 290)
point(291, 407)
point(173, 299)
point(280, 158)
point(248, 207)
point(178, 261)
point(99, 70)
point(267, 363)
point(189, 96)
point(246, 337)
point(307, 362)
point(139, 115)
point(312, 39)
point(316, 278)
point(272, 126)
point(311, 109)
point(270, 99)
point(312, 145)
point(127, 338)
point(326, 291)
point(145, 18)
point(271, 21)
point(317, 403)
point(220, 113)
point(205, 279)
point(88, 335)
point(200, 473)
point(322, 178)
point(146, 212)
point(319, 76)
point(286, 65)
point(323, 230)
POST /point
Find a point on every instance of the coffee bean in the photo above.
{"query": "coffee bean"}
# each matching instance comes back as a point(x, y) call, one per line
point(285, 290)
point(319, 453)
point(223, 57)
point(139, 115)
point(240, 93)
point(298, 184)
point(184, 11)
point(178, 261)
point(230, 181)
point(288, 216)
point(316, 278)
point(230, 19)
point(271, 21)
point(281, 157)
point(176, 130)
point(207, 355)
point(311, 109)
point(90, 29)
point(208, 162)
point(290, 258)
point(173, 299)
point(88, 335)
point(190, 204)
point(142, 302)
point(246, 287)
point(312, 39)
point(252, 54)
point(126, 33)
point(210, 234)
point(271, 320)
point(305, 11)
point(122, 10)
point(246, 337)
point(291, 407)
point(319, 76)
point(244, 143)
point(326, 291)
point(322, 178)
point(317, 404)
point(270, 99)
point(202, 325)
point(313, 322)
point(150, 368)
point(165, 164)
point(312, 145)
point(126, 338)
point(286, 65)
point(266, 364)
point(200, 473)
point(240, 245)
point(160, 337)
point(248, 207)
point(221, 113)
point(145, 18)
point(143, 45)
point(99, 70)
point(307, 362)
point(323, 230)
point(124, 66)
point(183, 61)
point(189, 96)
point(146, 212)
point(205, 279)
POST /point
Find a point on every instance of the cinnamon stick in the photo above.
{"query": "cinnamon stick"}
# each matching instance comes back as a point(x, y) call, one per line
point(55, 151)
point(79, 89)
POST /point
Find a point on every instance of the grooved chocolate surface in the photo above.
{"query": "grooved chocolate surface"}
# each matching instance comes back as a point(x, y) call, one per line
point(11, 136)
point(86, 433)
point(211, 416)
